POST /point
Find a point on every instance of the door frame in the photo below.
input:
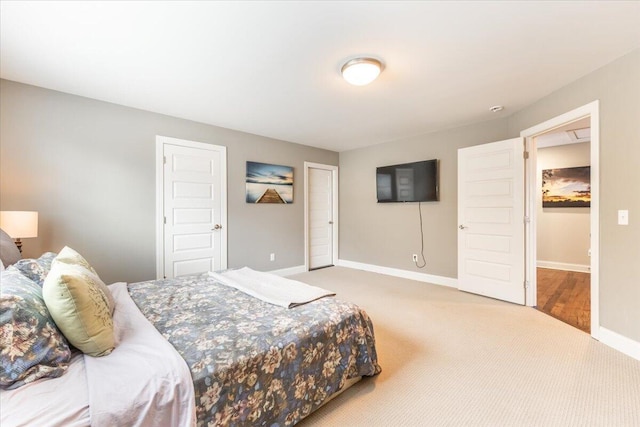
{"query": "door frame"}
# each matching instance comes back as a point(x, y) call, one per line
point(591, 110)
point(161, 141)
point(334, 214)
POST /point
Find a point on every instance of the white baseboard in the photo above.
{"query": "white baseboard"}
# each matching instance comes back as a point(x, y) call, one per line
point(290, 271)
point(581, 268)
point(612, 339)
point(396, 272)
point(620, 342)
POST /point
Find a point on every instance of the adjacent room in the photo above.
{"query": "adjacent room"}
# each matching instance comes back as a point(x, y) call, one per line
point(357, 213)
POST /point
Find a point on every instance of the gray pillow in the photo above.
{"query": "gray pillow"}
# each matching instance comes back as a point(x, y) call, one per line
point(9, 252)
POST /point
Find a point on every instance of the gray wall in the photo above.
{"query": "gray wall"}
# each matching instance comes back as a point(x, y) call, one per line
point(563, 234)
point(88, 168)
point(617, 86)
point(387, 234)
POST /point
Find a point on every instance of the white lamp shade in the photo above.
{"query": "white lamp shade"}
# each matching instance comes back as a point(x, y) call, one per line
point(19, 224)
point(361, 71)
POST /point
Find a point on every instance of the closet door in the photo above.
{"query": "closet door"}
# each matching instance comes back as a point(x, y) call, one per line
point(193, 208)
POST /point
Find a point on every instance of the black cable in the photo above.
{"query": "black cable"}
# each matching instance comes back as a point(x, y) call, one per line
point(424, 261)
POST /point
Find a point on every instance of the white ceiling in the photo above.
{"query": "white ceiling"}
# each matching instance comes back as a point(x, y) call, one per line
point(571, 133)
point(272, 68)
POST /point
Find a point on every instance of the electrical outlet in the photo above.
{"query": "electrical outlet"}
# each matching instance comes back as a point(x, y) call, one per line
point(272, 257)
point(414, 257)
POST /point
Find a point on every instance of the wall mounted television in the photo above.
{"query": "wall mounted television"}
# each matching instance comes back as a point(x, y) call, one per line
point(408, 182)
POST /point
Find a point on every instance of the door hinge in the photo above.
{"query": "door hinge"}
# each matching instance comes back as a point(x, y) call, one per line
point(527, 220)
point(164, 218)
point(525, 154)
point(164, 160)
point(526, 284)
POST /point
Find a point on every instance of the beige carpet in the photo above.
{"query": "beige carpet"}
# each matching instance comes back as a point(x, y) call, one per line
point(454, 359)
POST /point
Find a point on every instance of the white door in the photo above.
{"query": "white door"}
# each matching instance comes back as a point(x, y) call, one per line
point(193, 207)
point(320, 217)
point(491, 220)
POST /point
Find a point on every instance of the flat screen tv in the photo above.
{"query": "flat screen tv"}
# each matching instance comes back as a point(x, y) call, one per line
point(408, 182)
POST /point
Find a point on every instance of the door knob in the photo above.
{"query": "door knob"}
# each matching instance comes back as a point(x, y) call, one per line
point(462, 227)
point(330, 222)
point(216, 227)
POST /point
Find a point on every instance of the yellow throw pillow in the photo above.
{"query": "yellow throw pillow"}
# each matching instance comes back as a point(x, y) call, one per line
point(79, 304)
point(69, 256)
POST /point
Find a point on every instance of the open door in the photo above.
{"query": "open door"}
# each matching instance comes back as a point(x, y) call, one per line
point(491, 220)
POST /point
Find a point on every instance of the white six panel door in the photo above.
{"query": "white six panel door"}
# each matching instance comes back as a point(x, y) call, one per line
point(491, 220)
point(192, 210)
point(320, 218)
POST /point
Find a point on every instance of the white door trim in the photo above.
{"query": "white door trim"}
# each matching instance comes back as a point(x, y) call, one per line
point(334, 180)
point(160, 142)
point(589, 110)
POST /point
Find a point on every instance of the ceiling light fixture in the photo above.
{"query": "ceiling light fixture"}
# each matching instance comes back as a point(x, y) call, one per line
point(361, 71)
point(496, 108)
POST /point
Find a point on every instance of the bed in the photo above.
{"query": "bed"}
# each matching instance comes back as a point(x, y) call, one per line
point(196, 351)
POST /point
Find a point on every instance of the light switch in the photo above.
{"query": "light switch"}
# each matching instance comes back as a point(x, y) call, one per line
point(623, 217)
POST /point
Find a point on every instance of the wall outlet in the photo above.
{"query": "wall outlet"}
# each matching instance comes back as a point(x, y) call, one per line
point(414, 257)
point(272, 257)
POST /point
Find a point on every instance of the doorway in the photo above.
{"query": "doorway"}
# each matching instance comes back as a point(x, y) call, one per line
point(482, 250)
point(563, 276)
point(321, 215)
point(565, 121)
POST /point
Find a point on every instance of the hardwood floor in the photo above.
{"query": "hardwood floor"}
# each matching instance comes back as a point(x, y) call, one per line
point(565, 295)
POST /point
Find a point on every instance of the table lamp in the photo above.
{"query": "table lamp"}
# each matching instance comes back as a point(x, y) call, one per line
point(19, 225)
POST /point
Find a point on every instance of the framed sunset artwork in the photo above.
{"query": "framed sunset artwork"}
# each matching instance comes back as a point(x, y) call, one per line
point(566, 187)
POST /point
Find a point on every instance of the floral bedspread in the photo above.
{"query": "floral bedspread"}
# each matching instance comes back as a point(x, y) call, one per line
point(254, 363)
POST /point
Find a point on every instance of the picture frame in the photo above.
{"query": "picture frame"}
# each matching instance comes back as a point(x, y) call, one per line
point(268, 183)
point(566, 187)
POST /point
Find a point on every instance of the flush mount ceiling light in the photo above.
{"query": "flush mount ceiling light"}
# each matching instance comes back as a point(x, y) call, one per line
point(496, 108)
point(361, 71)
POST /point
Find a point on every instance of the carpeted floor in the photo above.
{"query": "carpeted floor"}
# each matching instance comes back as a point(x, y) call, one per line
point(455, 359)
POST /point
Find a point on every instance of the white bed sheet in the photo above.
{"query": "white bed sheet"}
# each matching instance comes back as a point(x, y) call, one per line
point(61, 401)
point(143, 382)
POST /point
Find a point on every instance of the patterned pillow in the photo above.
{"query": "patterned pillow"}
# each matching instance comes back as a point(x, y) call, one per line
point(35, 269)
point(79, 304)
point(32, 347)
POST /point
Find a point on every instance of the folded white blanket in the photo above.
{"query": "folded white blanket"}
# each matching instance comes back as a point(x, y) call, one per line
point(270, 288)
